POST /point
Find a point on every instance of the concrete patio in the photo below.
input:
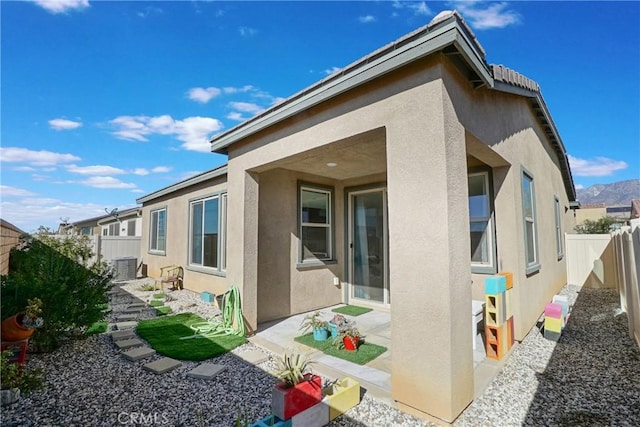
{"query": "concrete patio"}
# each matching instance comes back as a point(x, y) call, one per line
point(278, 336)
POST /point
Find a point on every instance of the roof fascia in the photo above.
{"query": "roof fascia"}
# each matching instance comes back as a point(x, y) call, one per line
point(184, 184)
point(434, 41)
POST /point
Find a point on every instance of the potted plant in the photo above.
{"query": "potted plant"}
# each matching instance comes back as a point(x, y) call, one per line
point(298, 390)
point(349, 339)
point(21, 326)
point(319, 326)
point(338, 324)
point(16, 379)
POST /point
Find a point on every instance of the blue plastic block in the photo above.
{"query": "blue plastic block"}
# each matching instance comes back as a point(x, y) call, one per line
point(207, 297)
point(495, 285)
point(271, 421)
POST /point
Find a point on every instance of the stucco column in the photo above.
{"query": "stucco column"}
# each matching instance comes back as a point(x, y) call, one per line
point(432, 364)
point(242, 245)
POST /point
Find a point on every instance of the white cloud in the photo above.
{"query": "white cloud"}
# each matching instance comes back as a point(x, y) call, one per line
point(599, 166)
point(64, 124)
point(243, 89)
point(7, 191)
point(203, 95)
point(482, 16)
point(332, 70)
point(247, 31)
point(24, 169)
point(62, 6)
point(246, 107)
point(367, 19)
point(234, 115)
point(31, 212)
point(193, 132)
point(418, 8)
point(94, 170)
point(140, 171)
point(161, 169)
point(37, 158)
point(106, 182)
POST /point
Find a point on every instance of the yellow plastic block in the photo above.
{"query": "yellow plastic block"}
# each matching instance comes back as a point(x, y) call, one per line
point(508, 302)
point(341, 396)
point(509, 277)
point(552, 324)
point(495, 309)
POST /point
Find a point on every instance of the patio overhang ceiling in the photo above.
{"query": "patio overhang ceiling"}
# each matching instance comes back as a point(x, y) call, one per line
point(357, 156)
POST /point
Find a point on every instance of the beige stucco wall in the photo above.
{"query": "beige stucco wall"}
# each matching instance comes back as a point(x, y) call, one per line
point(427, 212)
point(506, 123)
point(591, 214)
point(177, 245)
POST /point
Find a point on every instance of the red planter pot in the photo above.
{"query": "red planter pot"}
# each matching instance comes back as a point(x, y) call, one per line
point(351, 343)
point(287, 401)
point(12, 330)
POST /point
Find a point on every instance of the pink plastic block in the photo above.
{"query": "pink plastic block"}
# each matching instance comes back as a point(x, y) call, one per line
point(553, 310)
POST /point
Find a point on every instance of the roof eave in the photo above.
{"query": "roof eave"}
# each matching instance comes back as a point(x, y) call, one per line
point(214, 173)
point(450, 33)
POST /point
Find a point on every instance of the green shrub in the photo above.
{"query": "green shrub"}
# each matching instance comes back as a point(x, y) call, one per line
point(603, 225)
point(13, 376)
point(60, 273)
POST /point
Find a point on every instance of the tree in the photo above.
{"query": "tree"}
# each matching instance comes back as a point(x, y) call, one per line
point(602, 226)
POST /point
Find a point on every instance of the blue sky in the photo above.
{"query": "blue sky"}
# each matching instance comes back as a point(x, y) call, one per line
point(104, 101)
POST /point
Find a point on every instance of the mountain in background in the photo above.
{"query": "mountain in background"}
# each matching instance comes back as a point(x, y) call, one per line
point(615, 194)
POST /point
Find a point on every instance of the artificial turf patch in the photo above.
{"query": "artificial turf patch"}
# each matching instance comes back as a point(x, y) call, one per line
point(164, 333)
point(159, 295)
point(97, 328)
point(365, 354)
point(163, 311)
point(156, 303)
point(352, 310)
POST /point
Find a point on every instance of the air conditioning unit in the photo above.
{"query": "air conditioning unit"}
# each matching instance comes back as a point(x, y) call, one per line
point(125, 268)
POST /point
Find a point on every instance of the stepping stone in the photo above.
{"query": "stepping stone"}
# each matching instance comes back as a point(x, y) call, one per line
point(206, 371)
point(131, 310)
point(126, 325)
point(163, 365)
point(138, 353)
point(125, 317)
point(255, 357)
point(125, 344)
point(137, 305)
point(123, 335)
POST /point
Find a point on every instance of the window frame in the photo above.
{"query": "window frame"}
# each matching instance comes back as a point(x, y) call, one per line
point(559, 235)
point(330, 191)
point(492, 266)
point(534, 266)
point(156, 250)
point(221, 245)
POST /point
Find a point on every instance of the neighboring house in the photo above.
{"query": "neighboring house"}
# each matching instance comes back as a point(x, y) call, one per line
point(400, 183)
point(119, 223)
point(9, 239)
point(590, 212)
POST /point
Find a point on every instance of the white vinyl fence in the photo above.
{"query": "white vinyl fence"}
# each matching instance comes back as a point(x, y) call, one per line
point(590, 260)
point(626, 244)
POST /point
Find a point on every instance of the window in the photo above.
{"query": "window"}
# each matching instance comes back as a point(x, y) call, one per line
point(481, 223)
point(530, 227)
point(86, 231)
point(158, 233)
point(112, 229)
point(559, 235)
point(315, 224)
point(207, 237)
point(131, 227)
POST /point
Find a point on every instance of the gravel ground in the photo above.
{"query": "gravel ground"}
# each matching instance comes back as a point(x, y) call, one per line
point(590, 377)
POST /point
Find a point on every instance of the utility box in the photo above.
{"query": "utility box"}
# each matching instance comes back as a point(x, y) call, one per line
point(125, 268)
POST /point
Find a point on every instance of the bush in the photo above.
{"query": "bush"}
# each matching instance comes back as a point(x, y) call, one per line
point(13, 376)
point(59, 272)
point(602, 226)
